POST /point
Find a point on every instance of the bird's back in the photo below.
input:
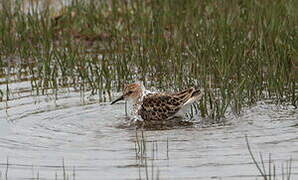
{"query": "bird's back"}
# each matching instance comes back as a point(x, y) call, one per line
point(163, 106)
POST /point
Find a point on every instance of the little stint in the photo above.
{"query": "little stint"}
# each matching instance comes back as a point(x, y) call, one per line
point(157, 106)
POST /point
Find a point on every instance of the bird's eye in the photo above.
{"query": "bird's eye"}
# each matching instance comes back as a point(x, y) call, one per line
point(129, 92)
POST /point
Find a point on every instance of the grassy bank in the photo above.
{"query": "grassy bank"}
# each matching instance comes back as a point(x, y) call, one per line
point(238, 51)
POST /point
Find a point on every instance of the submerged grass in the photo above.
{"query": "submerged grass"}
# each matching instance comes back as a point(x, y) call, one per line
point(238, 51)
point(143, 147)
point(268, 171)
point(67, 172)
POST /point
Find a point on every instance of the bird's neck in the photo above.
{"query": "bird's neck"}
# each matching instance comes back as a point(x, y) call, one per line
point(135, 103)
point(139, 98)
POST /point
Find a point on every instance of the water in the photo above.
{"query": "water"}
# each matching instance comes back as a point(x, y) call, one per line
point(40, 133)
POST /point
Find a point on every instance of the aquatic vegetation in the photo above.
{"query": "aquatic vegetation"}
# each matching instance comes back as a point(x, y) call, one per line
point(67, 172)
point(143, 147)
point(239, 52)
point(268, 171)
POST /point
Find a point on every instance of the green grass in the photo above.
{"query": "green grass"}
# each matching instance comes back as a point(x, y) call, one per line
point(238, 51)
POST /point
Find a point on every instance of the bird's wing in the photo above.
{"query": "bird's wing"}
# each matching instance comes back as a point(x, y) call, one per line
point(163, 106)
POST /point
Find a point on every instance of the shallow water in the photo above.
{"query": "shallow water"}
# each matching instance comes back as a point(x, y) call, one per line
point(40, 133)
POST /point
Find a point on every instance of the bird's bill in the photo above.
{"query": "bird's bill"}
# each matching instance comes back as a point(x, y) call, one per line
point(119, 99)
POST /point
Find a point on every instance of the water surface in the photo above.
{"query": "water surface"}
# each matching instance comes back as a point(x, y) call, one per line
point(38, 133)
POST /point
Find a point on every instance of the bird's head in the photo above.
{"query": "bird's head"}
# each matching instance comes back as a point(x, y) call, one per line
point(131, 92)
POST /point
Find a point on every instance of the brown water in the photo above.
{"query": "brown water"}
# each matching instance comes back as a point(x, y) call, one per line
point(38, 132)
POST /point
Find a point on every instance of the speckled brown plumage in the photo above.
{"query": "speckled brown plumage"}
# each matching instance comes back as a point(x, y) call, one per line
point(162, 106)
